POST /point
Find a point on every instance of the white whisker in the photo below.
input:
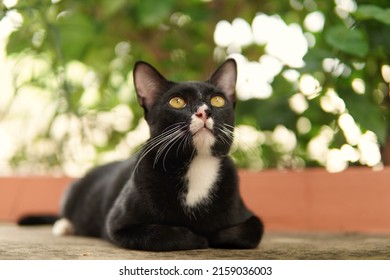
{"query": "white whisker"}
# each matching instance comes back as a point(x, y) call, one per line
point(170, 147)
point(225, 134)
point(239, 141)
point(183, 142)
point(228, 136)
point(170, 134)
point(171, 141)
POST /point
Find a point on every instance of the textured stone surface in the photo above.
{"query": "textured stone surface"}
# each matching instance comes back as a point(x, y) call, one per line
point(37, 243)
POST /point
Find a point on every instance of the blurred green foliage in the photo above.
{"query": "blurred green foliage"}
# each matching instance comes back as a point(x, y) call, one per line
point(108, 36)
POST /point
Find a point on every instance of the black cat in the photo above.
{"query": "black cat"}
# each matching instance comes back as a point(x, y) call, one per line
point(180, 191)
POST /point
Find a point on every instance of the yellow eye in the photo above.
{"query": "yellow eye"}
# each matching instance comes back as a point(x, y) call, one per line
point(217, 101)
point(177, 103)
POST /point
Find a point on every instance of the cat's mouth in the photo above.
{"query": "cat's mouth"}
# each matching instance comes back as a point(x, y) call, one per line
point(203, 129)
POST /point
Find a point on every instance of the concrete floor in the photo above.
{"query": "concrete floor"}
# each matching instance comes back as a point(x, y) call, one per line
point(37, 243)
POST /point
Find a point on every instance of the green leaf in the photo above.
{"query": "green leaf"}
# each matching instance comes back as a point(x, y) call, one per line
point(18, 42)
point(365, 12)
point(152, 13)
point(111, 7)
point(266, 114)
point(372, 118)
point(384, 17)
point(76, 34)
point(350, 41)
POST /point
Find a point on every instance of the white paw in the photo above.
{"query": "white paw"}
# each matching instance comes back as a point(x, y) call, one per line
point(62, 227)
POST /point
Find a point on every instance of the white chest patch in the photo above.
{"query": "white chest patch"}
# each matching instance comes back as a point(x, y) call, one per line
point(201, 175)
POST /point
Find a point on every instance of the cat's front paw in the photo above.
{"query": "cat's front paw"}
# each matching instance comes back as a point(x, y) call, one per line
point(189, 240)
point(157, 237)
point(242, 236)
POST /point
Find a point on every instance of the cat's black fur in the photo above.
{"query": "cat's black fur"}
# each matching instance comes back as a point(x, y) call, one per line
point(141, 204)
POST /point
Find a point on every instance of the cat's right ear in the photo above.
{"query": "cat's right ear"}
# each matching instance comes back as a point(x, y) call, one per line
point(149, 84)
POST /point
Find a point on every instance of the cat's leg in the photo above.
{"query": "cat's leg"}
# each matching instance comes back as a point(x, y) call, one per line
point(242, 236)
point(155, 237)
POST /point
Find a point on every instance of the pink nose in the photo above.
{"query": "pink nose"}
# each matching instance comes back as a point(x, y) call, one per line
point(203, 113)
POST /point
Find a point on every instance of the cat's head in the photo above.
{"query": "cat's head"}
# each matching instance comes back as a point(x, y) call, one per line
point(200, 114)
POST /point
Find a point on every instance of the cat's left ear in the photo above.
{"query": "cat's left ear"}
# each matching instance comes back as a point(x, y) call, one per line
point(225, 78)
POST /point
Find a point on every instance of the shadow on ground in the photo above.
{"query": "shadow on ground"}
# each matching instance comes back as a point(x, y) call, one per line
point(36, 242)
